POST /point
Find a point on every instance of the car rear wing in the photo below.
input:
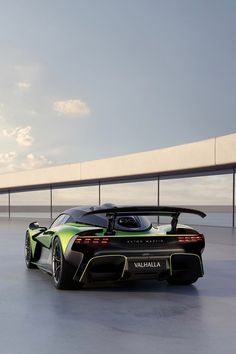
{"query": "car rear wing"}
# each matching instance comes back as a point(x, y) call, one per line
point(173, 212)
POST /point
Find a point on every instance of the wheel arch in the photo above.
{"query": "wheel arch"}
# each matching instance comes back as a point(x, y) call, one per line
point(65, 235)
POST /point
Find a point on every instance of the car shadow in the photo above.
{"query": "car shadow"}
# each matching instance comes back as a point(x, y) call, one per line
point(145, 286)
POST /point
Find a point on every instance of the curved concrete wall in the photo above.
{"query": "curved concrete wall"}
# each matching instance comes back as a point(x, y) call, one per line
point(211, 153)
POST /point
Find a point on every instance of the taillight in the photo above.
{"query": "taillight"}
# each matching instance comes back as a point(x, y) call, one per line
point(92, 240)
point(195, 238)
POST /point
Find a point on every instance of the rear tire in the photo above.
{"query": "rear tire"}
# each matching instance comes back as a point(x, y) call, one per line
point(62, 272)
point(182, 279)
point(28, 253)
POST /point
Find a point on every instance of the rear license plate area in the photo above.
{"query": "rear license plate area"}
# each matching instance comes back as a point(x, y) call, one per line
point(147, 265)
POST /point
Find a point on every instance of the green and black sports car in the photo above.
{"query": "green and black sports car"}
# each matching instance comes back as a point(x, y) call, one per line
point(93, 244)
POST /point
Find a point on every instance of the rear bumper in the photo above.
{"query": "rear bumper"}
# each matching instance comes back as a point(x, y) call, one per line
point(115, 267)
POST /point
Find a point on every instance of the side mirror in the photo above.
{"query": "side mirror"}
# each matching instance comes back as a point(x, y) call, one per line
point(34, 225)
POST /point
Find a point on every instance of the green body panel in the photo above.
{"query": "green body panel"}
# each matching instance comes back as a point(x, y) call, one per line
point(33, 243)
point(44, 239)
point(67, 231)
point(64, 232)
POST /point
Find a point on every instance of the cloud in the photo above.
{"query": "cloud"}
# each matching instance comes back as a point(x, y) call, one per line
point(23, 85)
point(35, 161)
point(11, 162)
point(7, 162)
point(21, 135)
point(7, 157)
point(71, 108)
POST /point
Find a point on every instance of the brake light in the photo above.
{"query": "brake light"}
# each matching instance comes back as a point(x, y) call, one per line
point(92, 241)
point(195, 238)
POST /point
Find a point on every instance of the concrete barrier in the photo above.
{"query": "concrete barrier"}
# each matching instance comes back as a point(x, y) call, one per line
point(215, 153)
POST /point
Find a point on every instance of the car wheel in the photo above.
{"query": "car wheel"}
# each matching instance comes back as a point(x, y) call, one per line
point(62, 272)
point(182, 279)
point(28, 252)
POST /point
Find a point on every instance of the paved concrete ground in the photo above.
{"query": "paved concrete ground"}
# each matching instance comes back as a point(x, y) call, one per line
point(141, 317)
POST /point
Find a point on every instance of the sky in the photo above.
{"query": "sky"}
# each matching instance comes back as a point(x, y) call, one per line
point(83, 80)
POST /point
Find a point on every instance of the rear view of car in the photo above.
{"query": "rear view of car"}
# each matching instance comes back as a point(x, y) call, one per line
point(97, 244)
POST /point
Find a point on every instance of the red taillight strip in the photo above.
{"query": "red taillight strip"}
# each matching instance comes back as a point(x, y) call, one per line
point(195, 238)
point(92, 241)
